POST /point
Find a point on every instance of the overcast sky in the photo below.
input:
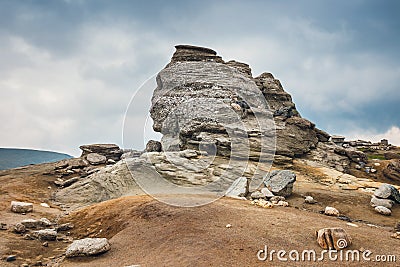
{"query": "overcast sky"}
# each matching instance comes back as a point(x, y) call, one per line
point(68, 69)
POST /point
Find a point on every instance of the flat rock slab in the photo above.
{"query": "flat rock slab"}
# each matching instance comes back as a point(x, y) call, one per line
point(88, 247)
point(21, 207)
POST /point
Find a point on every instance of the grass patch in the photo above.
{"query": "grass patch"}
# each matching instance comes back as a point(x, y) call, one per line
point(374, 156)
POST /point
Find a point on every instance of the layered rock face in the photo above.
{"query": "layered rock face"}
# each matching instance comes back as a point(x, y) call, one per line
point(217, 102)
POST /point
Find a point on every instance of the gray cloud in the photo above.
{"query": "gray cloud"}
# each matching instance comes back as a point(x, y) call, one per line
point(69, 68)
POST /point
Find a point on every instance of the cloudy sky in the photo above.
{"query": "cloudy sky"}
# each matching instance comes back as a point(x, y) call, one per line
point(68, 69)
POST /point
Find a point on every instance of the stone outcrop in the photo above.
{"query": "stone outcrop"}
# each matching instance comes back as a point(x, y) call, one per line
point(392, 170)
point(110, 151)
point(198, 84)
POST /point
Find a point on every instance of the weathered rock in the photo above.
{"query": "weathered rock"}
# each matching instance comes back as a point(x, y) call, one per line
point(96, 159)
point(153, 146)
point(188, 153)
point(257, 195)
point(67, 182)
point(392, 170)
point(388, 191)
point(31, 223)
point(3, 226)
point(397, 227)
point(322, 135)
point(11, 258)
point(387, 203)
point(21, 207)
point(109, 182)
point(324, 154)
point(239, 188)
point(310, 200)
point(391, 155)
point(383, 210)
point(353, 154)
point(88, 247)
point(110, 151)
point(333, 238)
point(282, 203)
point(45, 234)
point(267, 193)
point(64, 227)
point(19, 228)
point(280, 182)
point(285, 161)
point(276, 199)
point(186, 53)
point(331, 211)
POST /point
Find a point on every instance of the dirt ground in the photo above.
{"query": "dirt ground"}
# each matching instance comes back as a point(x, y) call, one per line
point(145, 232)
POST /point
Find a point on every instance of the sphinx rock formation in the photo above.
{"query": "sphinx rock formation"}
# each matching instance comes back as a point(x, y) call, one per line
point(200, 79)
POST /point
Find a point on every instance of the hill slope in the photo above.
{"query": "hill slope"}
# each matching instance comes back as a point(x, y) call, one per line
point(15, 157)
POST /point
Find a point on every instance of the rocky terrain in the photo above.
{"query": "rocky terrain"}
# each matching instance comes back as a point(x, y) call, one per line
point(237, 169)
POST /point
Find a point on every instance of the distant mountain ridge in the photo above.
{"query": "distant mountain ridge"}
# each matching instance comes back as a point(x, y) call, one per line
point(16, 157)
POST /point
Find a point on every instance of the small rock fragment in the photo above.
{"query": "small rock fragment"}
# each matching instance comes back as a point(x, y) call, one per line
point(257, 195)
point(396, 235)
point(3, 226)
point(64, 227)
point(309, 200)
point(331, 211)
point(383, 210)
point(46, 234)
point(21, 207)
point(267, 193)
point(19, 228)
point(45, 204)
point(228, 225)
point(11, 258)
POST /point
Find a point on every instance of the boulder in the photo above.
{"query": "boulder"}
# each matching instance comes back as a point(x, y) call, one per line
point(388, 191)
point(387, 203)
point(383, 210)
point(331, 211)
point(153, 146)
point(333, 238)
point(280, 182)
point(21, 207)
point(239, 188)
point(96, 159)
point(87, 247)
point(110, 151)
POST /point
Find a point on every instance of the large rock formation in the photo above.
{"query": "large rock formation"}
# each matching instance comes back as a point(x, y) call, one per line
point(198, 84)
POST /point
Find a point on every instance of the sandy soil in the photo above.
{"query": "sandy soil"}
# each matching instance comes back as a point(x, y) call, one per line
point(145, 232)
